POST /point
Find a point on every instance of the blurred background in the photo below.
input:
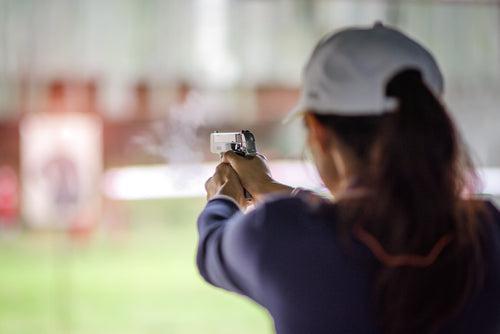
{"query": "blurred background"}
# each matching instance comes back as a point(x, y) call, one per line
point(105, 112)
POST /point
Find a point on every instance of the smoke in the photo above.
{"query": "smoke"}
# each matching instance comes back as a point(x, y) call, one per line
point(176, 139)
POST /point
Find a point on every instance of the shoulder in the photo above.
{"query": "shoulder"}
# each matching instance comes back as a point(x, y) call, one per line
point(271, 213)
point(286, 204)
point(297, 209)
point(490, 216)
point(493, 209)
point(485, 210)
point(487, 216)
point(279, 217)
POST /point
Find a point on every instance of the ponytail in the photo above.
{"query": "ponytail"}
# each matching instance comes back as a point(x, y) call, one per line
point(419, 176)
point(416, 222)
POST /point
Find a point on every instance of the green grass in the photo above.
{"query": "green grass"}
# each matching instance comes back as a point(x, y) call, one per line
point(136, 278)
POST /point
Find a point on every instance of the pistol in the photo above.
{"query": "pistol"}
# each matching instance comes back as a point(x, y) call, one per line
point(242, 143)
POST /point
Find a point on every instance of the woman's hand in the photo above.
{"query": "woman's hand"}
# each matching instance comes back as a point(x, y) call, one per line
point(225, 181)
point(254, 174)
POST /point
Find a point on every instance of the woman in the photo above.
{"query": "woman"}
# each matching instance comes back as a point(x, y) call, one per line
point(403, 248)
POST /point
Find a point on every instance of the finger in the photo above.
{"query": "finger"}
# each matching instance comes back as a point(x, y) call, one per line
point(207, 183)
point(230, 157)
point(222, 168)
point(262, 156)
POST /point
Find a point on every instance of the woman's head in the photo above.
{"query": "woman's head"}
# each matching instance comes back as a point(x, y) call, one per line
point(387, 129)
point(419, 131)
point(345, 79)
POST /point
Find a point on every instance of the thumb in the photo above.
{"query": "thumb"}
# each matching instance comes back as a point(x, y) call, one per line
point(230, 157)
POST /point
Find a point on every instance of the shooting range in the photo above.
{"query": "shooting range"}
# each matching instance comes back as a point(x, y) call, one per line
point(106, 115)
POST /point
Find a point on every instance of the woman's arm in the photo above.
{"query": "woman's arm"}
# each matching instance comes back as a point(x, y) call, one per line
point(231, 243)
point(255, 175)
point(211, 226)
point(231, 247)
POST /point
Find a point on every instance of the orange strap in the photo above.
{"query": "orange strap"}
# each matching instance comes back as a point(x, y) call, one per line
point(410, 260)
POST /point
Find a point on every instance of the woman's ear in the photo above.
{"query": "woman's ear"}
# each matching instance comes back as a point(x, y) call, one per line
point(318, 133)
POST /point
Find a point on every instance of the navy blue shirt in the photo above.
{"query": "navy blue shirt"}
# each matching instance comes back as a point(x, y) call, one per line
point(289, 259)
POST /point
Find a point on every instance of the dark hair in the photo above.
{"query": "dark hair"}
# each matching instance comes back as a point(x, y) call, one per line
point(417, 172)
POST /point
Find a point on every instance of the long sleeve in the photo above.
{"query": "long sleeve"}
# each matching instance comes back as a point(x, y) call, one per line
point(230, 247)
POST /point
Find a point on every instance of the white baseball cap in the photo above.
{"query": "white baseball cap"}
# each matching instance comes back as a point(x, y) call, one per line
point(348, 71)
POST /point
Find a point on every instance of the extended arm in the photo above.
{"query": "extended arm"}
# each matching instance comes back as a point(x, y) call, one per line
point(231, 247)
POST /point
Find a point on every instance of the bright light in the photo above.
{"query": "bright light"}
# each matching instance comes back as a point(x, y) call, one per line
point(491, 180)
point(162, 181)
point(188, 180)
